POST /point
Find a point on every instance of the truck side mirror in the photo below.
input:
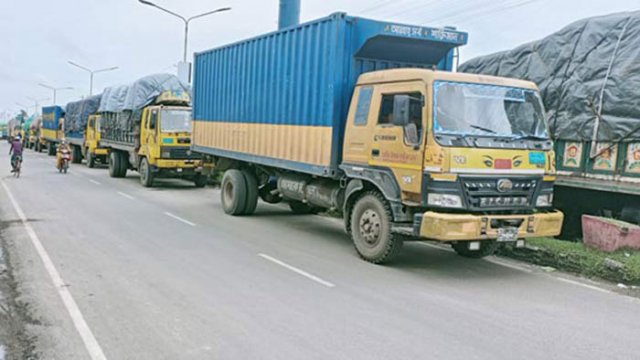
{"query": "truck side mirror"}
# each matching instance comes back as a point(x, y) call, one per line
point(401, 110)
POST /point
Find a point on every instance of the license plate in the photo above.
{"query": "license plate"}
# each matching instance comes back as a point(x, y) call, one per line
point(508, 234)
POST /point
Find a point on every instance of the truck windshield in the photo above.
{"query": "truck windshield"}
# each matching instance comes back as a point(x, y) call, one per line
point(472, 109)
point(172, 120)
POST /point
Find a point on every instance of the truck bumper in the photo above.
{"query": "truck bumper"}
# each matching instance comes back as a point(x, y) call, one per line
point(101, 152)
point(177, 168)
point(460, 227)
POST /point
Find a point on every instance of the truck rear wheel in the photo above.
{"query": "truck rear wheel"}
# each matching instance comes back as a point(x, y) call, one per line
point(77, 154)
point(51, 149)
point(487, 247)
point(251, 202)
point(233, 194)
point(116, 165)
point(371, 220)
point(124, 163)
point(146, 174)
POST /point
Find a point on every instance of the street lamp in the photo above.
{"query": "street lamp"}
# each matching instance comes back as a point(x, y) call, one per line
point(36, 101)
point(91, 72)
point(185, 20)
point(55, 90)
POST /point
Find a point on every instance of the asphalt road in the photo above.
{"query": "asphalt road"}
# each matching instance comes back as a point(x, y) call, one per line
point(162, 273)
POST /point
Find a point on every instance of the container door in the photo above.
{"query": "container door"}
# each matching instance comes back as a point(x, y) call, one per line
point(400, 147)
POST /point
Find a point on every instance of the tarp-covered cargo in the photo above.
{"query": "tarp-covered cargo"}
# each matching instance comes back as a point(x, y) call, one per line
point(281, 99)
point(121, 106)
point(588, 70)
point(77, 114)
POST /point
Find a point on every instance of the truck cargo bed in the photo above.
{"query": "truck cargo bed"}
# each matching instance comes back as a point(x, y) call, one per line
point(281, 99)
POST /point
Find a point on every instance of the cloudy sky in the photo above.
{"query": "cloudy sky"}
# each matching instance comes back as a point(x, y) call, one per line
point(38, 37)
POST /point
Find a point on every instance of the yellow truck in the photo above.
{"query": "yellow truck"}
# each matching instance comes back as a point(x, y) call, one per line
point(405, 149)
point(94, 152)
point(151, 138)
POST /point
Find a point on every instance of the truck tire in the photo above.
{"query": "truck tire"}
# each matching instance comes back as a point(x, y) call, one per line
point(51, 149)
point(114, 164)
point(90, 158)
point(487, 247)
point(37, 146)
point(301, 208)
point(77, 154)
point(233, 194)
point(251, 202)
point(200, 181)
point(371, 220)
point(146, 173)
point(124, 163)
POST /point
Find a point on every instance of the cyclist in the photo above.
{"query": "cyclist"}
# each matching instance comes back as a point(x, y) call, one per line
point(16, 152)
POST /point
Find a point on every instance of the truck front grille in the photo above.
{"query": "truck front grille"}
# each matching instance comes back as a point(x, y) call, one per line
point(484, 193)
point(179, 153)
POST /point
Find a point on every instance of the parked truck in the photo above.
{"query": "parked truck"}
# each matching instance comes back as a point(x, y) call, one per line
point(75, 126)
point(52, 131)
point(146, 127)
point(589, 76)
point(365, 117)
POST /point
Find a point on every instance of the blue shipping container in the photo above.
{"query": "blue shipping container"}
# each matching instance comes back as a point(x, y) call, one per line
point(51, 116)
point(281, 99)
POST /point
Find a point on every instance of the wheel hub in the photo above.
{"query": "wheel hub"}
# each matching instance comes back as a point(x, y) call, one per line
point(370, 227)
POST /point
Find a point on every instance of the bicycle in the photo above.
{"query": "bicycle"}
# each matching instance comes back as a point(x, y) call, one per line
point(17, 166)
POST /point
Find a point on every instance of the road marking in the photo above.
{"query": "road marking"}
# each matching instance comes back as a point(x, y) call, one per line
point(179, 218)
point(578, 283)
point(435, 246)
point(95, 182)
point(297, 271)
point(126, 195)
point(89, 340)
point(500, 262)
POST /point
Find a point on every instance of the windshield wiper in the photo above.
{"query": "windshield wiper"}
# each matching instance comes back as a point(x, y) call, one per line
point(483, 129)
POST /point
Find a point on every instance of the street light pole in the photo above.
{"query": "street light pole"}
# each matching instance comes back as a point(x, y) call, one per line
point(91, 72)
point(186, 22)
point(36, 101)
point(55, 90)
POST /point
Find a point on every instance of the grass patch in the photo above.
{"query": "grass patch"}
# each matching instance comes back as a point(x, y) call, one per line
point(622, 266)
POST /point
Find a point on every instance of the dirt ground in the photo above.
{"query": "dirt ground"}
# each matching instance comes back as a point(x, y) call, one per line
point(15, 341)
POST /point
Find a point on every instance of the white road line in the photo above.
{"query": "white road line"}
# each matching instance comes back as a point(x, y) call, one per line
point(435, 246)
point(297, 271)
point(126, 195)
point(179, 218)
point(499, 262)
point(94, 182)
point(89, 340)
point(578, 283)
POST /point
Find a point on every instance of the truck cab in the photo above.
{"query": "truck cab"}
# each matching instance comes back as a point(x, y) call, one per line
point(93, 151)
point(460, 158)
point(165, 139)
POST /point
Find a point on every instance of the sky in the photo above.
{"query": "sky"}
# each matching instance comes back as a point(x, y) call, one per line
point(39, 37)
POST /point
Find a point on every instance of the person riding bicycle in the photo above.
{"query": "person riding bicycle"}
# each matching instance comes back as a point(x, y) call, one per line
point(62, 148)
point(16, 152)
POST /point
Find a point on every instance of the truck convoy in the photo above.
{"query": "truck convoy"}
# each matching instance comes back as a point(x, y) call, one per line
point(146, 127)
point(365, 117)
point(75, 125)
point(589, 76)
point(52, 127)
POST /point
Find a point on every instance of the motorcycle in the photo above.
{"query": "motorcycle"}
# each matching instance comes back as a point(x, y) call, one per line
point(65, 158)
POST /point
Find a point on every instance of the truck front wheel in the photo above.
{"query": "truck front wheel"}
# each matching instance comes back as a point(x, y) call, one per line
point(91, 159)
point(371, 229)
point(146, 174)
point(77, 155)
point(233, 192)
point(487, 247)
point(114, 164)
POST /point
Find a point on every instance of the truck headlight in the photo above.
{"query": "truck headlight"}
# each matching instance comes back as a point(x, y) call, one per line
point(545, 200)
point(444, 200)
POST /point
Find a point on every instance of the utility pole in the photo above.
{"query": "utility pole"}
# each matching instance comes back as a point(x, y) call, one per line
point(184, 68)
point(55, 90)
point(91, 72)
